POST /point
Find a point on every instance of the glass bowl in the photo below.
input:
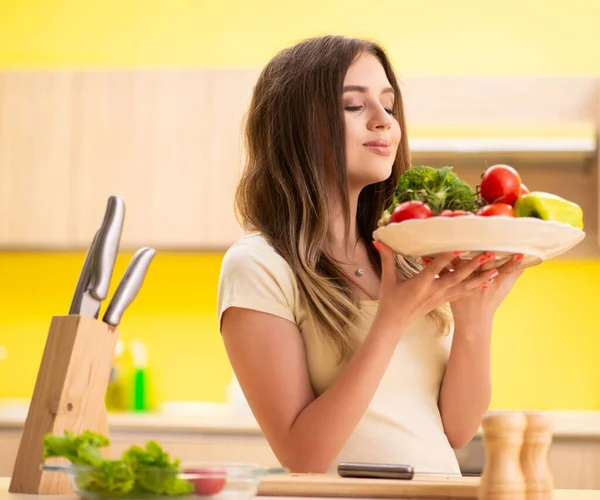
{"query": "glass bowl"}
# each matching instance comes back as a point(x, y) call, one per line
point(218, 480)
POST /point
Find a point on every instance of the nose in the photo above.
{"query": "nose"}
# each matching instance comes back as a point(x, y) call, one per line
point(381, 119)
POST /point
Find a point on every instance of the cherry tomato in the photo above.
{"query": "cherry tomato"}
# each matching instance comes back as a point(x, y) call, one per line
point(454, 213)
point(500, 184)
point(496, 209)
point(207, 483)
point(413, 209)
point(524, 190)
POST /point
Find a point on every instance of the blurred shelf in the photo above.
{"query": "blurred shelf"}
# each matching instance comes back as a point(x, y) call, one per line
point(501, 144)
point(576, 150)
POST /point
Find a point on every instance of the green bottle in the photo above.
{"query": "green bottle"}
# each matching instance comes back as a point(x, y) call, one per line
point(139, 391)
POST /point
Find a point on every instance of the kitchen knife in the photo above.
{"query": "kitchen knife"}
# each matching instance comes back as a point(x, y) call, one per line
point(129, 286)
point(107, 248)
point(77, 304)
point(385, 471)
point(95, 276)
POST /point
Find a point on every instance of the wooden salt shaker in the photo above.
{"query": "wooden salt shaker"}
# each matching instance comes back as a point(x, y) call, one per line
point(502, 477)
point(539, 484)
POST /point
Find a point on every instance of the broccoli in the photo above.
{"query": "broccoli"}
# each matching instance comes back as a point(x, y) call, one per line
point(440, 188)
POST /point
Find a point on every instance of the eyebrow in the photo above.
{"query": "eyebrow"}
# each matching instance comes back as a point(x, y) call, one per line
point(361, 88)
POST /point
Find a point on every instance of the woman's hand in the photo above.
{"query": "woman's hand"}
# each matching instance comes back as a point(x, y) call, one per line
point(401, 301)
point(482, 302)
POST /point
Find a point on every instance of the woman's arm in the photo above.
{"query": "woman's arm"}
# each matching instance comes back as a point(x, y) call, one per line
point(466, 388)
point(267, 354)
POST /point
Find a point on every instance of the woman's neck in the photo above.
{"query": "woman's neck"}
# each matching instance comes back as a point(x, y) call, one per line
point(337, 243)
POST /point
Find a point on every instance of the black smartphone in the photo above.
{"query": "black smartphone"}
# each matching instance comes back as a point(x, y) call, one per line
point(377, 471)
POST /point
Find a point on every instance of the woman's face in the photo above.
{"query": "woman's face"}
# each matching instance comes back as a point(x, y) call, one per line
point(372, 132)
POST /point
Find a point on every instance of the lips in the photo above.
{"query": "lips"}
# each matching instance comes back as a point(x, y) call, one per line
point(379, 143)
point(379, 146)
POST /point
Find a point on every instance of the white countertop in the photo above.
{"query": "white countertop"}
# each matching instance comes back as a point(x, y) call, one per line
point(219, 418)
point(558, 494)
point(192, 417)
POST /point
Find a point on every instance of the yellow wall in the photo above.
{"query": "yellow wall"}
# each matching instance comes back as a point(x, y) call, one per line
point(174, 314)
point(545, 349)
point(435, 36)
point(545, 333)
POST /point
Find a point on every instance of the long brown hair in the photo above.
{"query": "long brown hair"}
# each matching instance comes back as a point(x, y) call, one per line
point(295, 154)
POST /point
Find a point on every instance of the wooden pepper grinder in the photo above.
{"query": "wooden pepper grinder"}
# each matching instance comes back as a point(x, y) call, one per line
point(502, 477)
point(539, 483)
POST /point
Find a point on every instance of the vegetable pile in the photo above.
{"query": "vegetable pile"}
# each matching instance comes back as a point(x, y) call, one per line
point(139, 472)
point(423, 192)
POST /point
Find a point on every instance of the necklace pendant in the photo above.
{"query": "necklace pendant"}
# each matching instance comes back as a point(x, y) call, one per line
point(359, 272)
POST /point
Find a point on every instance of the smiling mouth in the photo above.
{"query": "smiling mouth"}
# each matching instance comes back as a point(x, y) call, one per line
point(379, 147)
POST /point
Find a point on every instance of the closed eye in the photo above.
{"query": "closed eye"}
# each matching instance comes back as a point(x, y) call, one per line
point(359, 108)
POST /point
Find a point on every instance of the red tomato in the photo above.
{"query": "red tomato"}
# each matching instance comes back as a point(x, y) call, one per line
point(496, 209)
point(454, 213)
point(413, 209)
point(500, 184)
point(524, 190)
point(208, 482)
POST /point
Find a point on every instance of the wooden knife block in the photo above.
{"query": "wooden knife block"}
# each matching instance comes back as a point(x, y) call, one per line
point(69, 394)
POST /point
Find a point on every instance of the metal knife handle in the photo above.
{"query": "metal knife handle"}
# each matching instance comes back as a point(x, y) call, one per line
point(107, 248)
point(84, 278)
point(129, 286)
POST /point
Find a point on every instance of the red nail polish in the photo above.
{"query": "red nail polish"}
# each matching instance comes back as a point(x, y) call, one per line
point(519, 257)
point(483, 260)
point(457, 253)
point(484, 286)
point(426, 260)
point(376, 245)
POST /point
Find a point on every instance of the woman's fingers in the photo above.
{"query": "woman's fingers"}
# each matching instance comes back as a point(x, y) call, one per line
point(475, 282)
point(454, 264)
point(438, 264)
point(512, 264)
point(490, 264)
point(513, 268)
point(464, 271)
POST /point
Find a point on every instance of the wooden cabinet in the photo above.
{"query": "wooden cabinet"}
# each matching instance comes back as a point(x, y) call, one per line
point(35, 159)
point(167, 142)
point(170, 143)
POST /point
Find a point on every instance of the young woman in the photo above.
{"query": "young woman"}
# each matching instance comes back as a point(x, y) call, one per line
point(344, 351)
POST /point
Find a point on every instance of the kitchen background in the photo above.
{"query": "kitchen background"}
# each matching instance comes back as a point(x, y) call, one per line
point(546, 336)
point(90, 90)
